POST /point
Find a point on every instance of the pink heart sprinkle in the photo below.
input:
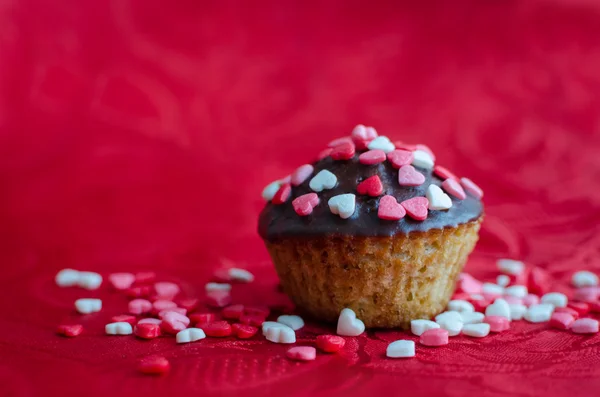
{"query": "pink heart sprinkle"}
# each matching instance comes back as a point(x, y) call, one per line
point(451, 186)
point(400, 157)
point(344, 151)
point(372, 157)
point(416, 207)
point(443, 172)
point(360, 132)
point(405, 146)
point(301, 174)
point(390, 209)
point(165, 289)
point(409, 176)
point(471, 187)
point(302, 353)
point(139, 306)
point(162, 304)
point(121, 281)
point(339, 141)
point(303, 205)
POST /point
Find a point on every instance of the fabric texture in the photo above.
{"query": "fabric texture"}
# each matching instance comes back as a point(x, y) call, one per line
point(138, 134)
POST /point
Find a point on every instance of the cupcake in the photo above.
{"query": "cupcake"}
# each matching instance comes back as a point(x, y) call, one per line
point(373, 225)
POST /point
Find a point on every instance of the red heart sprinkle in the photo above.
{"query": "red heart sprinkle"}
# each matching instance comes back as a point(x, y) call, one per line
point(243, 331)
point(69, 330)
point(324, 153)
point(154, 365)
point(147, 331)
point(232, 312)
point(330, 343)
point(124, 318)
point(361, 144)
point(451, 186)
point(345, 151)
point(217, 329)
point(405, 146)
point(471, 187)
point(188, 304)
point(282, 194)
point(581, 308)
point(144, 277)
point(409, 176)
point(303, 205)
point(252, 319)
point(339, 141)
point(416, 207)
point(371, 186)
point(426, 149)
point(142, 291)
point(400, 157)
point(443, 172)
point(390, 209)
point(202, 317)
point(372, 157)
point(538, 281)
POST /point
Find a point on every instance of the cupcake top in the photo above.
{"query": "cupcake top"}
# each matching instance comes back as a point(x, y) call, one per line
point(365, 185)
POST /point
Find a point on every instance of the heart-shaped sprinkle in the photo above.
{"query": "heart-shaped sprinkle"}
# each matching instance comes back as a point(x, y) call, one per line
point(348, 324)
point(67, 278)
point(190, 335)
point(422, 160)
point(69, 330)
point(342, 205)
point(381, 143)
point(303, 205)
point(144, 277)
point(453, 187)
point(330, 343)
point(270, 190)
point(243, 331)
point(426, 149)
point(434, 337)
point(443, 173)
point(389, 209)
point(179, 310)
point(344, 151)
point(241, 275)
point(416, 207)
point(162, 304)
point(561, 320)
point(89, 280)
point(371, 186)
point(438, 200)
point(292, 321)
point(121, 281)
point(498, 308)
point(409, 176)
point(282, 194)
point(405, 146)
point(400, 349)
point(123, 318)
point(417, 327)
point(301, 174)
point(360, 144)
point(372, 157)
point(400, 157)
point(232, 312)
point(140, 306)
point(155, 365)
point(471, 187)
point(323, 180)
point(202, 317)
point(120, 328)
point(497, 323)
point(584, 278)
point(218, 298)
point(339, 141)
point(360, 132)
point(166, 289)
point(302, 353)
point(88, 305)
point(188, 304)
point(324, 153)
point(279, 334)
point(479, 330)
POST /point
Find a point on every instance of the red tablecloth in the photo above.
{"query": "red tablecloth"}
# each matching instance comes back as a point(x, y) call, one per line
point(138, 134)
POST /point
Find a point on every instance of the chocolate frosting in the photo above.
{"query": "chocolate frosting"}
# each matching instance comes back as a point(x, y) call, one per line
point(281, 221)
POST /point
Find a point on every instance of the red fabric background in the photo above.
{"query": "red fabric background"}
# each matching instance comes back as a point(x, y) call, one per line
point(139, 134)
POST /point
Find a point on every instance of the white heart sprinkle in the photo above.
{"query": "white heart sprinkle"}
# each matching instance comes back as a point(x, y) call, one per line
point(493, 289)
point(518, 291)
point(292, 321)
point(209, 287)
point(283, 334)
point(422, 159)
point(503, 280)
point(348, 324)
point(417, 327)
point(510, 266)
point(270, 190)
point(584, 278)
point(382, 143)
point(271, 324)
point(323, 180)
point(118, 328)
point(400, 349)
point(472, 317)
point(343, 205)
point(517, 311)
point(539, 313)
point(87, 305)
point(438, 200)
point(476, 330)
point(67, 278)
point(89, 280)
point(556, 299)
point(190, 335)
point(241, 275)
point(451, 324)
point(499, 308)
point(451, 314)
point(459, 305)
